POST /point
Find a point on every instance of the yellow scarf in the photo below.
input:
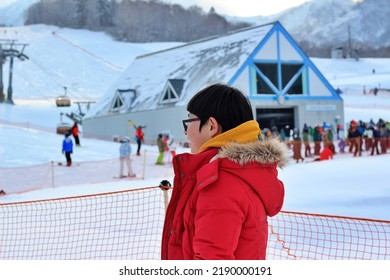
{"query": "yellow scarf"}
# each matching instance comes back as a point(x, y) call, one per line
point(244, 133)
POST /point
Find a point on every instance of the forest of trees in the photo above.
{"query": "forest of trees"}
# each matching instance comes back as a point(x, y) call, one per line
point(133, 20)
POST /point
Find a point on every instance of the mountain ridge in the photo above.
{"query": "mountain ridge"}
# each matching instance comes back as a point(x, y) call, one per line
point(331, 24)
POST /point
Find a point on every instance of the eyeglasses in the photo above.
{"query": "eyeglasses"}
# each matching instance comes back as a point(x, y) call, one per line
point(186, 122)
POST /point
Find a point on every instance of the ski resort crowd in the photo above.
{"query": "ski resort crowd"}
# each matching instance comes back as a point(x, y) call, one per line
point(368, 136)
point(320, 140)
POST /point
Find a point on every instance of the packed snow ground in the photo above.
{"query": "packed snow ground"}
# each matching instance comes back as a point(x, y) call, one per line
point(347, 186)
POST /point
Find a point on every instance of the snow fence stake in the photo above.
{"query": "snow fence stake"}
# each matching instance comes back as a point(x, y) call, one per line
point(52, 174)
point(143, 169)
point(165, 185)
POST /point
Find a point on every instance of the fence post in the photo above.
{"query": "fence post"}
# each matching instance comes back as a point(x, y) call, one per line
point(165, 185)
point(52, 174)
point(165, 199)
point(144, 167)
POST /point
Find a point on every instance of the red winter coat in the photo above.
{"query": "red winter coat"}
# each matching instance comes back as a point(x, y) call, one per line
point(221, 200)
point(326, 154)
point(139, 134)
point(75, 130)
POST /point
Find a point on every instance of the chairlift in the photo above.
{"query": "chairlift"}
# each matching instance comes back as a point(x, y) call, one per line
point(77, 117)
point(63, 127)
point(86, 104)
point(63, 100)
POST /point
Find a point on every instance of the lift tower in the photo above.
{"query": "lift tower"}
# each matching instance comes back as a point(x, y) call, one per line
point(9, 49)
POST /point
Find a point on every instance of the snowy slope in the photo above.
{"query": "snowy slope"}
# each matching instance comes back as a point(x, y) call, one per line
point(14, 13)
point(85, 62)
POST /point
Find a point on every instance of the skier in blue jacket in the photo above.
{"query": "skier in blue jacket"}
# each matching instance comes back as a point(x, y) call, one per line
point(67, 148)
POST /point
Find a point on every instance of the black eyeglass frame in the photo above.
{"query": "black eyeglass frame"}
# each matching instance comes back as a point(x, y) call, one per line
point(188, 121)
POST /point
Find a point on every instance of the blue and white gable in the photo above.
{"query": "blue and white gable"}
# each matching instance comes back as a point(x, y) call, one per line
point(279, 70)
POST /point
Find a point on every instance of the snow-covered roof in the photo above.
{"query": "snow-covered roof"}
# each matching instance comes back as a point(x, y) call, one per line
point(198, 64)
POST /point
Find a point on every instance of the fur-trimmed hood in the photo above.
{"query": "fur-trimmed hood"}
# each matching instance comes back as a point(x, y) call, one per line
point(269, 151)
point(242, 145)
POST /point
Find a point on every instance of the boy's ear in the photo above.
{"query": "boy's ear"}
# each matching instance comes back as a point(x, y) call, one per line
point(214, 127)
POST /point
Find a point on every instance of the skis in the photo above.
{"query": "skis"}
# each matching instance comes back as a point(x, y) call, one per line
point(65, 164)
point(132, 124)
point(125, 177)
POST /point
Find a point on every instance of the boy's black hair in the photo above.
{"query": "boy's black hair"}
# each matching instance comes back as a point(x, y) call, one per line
point(229, 106)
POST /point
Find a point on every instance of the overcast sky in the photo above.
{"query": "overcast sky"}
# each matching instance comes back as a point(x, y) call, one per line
point(242, 8)
point(5, 2)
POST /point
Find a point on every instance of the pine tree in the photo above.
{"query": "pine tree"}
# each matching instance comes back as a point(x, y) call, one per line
point(105, 12)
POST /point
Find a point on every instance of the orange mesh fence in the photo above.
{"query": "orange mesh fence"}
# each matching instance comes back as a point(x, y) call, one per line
point(119, 225)
point(23, 179)
point(128, 225)
point(47, 175)
point(28, 125)
point(51, 175)
point(303, 236)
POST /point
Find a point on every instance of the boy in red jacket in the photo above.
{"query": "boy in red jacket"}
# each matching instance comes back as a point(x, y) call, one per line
point(228, 185)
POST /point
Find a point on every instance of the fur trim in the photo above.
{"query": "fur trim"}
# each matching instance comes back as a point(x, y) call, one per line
point(268, 151)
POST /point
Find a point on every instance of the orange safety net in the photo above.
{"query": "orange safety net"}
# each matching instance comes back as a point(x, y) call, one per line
point(304, 236)
point(128, 225)
point(51, 175)
point(119, 225)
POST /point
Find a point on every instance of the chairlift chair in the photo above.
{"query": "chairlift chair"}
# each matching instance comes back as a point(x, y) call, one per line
point(63, 127)
point(63, 100)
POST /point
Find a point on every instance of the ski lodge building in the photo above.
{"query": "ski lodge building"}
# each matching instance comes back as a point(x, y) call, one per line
point(282, 84)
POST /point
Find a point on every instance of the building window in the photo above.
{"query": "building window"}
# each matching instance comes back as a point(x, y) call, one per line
point(118, 103)
point(169, 96)
point(270, 73)
point(290, 77)
point(291, 73)
point(123, 100)
point(172, 91)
